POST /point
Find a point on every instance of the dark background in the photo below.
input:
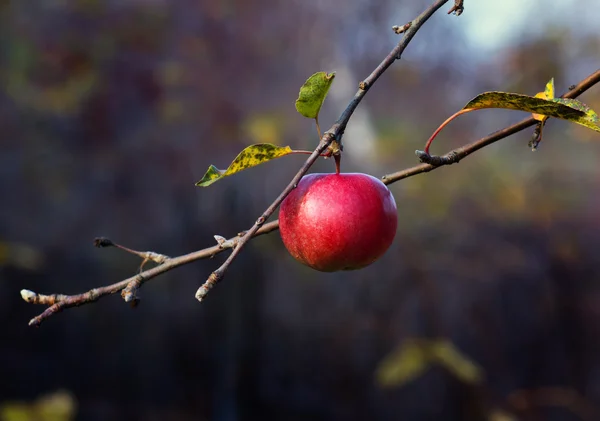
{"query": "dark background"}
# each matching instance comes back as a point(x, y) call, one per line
point(110, 111)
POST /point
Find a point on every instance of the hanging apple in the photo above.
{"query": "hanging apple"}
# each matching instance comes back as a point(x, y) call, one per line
point(334, 222)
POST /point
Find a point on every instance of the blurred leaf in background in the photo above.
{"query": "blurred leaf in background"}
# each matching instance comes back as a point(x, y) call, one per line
point(55, 80)
point(499, 415)
point(20, 255)
point(57, 406)
point(404, 364)
point(264, 128)
point(415, 356)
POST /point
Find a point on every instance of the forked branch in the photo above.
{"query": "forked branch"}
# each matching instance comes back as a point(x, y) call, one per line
point(129, 287)
point(57, 302)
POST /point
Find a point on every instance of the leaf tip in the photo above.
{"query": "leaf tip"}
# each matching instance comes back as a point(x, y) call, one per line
point(211, 175)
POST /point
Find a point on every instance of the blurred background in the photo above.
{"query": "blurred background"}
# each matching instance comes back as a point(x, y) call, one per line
point(486, 307)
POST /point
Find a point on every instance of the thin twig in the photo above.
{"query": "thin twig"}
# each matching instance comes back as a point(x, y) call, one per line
point(147, 256)
point(458, 7)
point(394, 55)
point(58, 303)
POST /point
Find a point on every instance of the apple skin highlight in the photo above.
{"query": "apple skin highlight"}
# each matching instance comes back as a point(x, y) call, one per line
point(334, 222)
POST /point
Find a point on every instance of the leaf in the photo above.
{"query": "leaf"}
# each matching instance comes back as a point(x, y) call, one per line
point(58, 406)
point(404, 364)
point(578, 105)
point(549, 89)
point(249, 157)
point(590, 120)
point(313, 93)
point(540, 117)
point(447, 355)
point(264, 128)
point(547, 94)
point(500, 415)
point(415, 356)
point(566, 109)
point(20, 255)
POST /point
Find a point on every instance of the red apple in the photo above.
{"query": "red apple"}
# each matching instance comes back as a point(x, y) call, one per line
point(334, 222)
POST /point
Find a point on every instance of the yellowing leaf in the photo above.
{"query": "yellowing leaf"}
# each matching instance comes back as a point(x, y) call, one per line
point(448, 356)
point(20, 255)
point(264, 128)
point(58, 406)
point(313, 93)
point(404, 364)
point(415, 356)
point(499, 415)
point(547, 94)
point(549, 89)
point(249, 157)
point(566, 109)
point(540, 117)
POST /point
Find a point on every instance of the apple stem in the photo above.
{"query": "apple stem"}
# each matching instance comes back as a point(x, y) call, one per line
point(444, 124)
point(338, 159)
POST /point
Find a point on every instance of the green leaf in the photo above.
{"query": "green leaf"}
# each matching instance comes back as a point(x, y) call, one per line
point(566, 109)
point(591, 119)
point(250, 157)
point(578, 105)
point(313, 93)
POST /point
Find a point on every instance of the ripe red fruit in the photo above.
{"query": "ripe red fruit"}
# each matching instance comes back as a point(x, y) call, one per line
point(334, 222)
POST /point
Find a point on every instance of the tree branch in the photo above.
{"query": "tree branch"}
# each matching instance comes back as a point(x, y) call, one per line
point(128, 287)
point(57, 302)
